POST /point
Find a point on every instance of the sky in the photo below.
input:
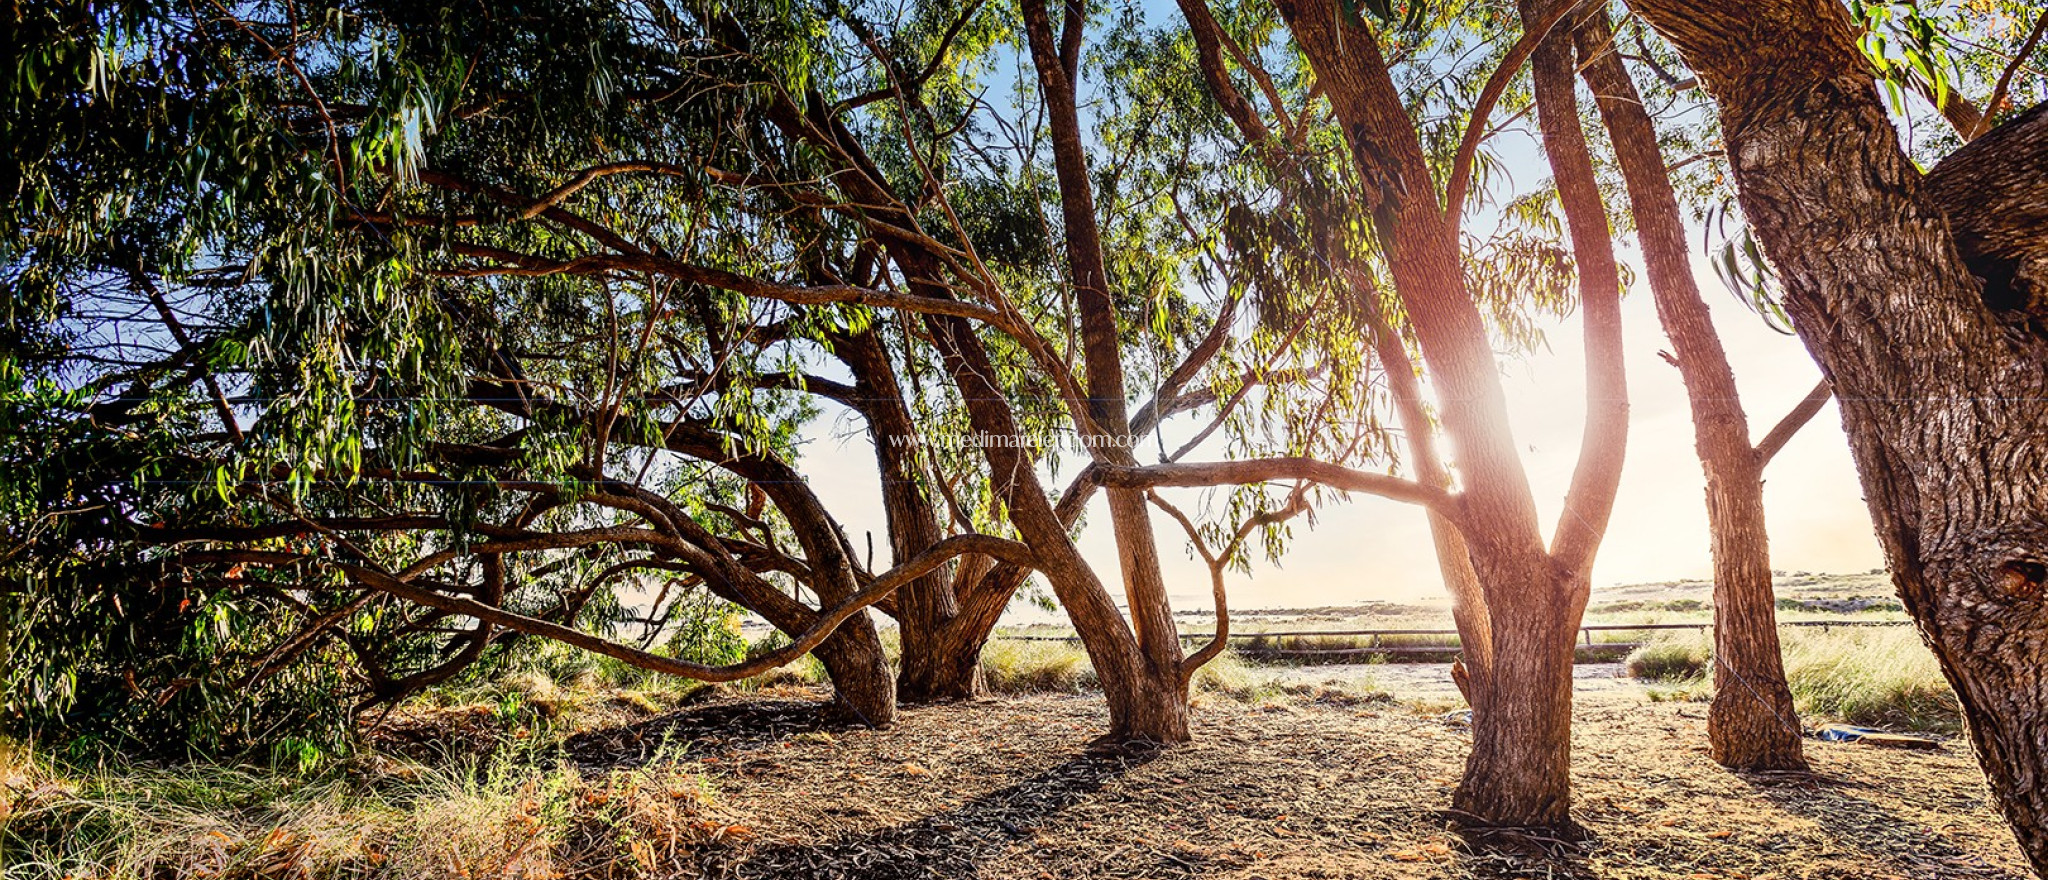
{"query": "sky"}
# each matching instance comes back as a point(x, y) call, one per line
point(1369, 549)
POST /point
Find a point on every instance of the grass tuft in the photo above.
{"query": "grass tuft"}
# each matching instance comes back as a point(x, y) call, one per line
point(1011, 666)
point(504, 820)
point(1872, 676)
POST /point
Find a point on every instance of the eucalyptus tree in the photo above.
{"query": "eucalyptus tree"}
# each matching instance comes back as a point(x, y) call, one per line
point(1918, 294)
point(1521, 604)
point(245, 231)
point(539, 302)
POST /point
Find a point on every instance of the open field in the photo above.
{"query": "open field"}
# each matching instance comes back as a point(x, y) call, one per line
point(573, 767)
point(761, 785)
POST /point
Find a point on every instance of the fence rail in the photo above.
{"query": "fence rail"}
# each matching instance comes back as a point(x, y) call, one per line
point(1377, 647)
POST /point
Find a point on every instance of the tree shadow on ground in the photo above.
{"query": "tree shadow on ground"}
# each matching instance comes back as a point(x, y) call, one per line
point(955, 843)
point(1866, 826)
point(709, 730)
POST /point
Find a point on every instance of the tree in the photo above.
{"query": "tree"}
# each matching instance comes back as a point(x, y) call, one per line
point(1530, 596)
point(1918, 296)
point(1752, 724)
point(548, 300)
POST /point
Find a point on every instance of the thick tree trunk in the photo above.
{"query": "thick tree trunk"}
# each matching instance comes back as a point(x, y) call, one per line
point(1752, 724)
point(863, 685)
point(1940, 386)
point(939, 661)
point(1519, 772)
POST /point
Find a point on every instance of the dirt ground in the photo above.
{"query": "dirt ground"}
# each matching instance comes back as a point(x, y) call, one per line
point(1005, 788)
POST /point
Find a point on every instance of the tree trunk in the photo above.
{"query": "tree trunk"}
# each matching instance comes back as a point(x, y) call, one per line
point(1752, 724)
point(1144, 704)
point(863, 685)
point(1519, 771)
point(1940, 386)
point(937, 663)
point(1160, 712)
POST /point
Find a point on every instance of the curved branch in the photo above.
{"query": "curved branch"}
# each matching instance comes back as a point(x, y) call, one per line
point(1475, 130)
point(828, 621)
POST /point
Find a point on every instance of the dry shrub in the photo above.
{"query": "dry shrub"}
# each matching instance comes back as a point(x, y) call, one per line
point(1672, 657)
point(1013, 666)
point(1867, 675)
point(1874, 676)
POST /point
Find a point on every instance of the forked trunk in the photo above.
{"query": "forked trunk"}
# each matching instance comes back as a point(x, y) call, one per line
point(1518, 774)
point(1146, 705)
point(1519, 771)
point(1752, 724)
point(941, 651)
point(940, 664)
point(1940, 376)
point(1157, 707)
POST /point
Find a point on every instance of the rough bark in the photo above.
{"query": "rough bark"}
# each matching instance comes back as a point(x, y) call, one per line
point(1995, 193)
point(1940, 389)
point(1752, 724)
point(1519, 771)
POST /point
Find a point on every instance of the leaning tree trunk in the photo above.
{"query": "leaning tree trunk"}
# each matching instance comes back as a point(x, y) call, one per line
point(1939, 373)
point(1752, 724)
point(1161, 711)
point(1146, 703)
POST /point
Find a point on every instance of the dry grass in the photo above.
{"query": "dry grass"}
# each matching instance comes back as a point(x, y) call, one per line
point(1006, 788)
point(1874, 676)
point(398, 821)
point(740, 785)
point(1012, 666)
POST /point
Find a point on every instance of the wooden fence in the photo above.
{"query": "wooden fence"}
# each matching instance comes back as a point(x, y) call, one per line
point(1448, 643)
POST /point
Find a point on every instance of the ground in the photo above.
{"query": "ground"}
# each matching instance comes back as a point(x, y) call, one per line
point(1006, 788)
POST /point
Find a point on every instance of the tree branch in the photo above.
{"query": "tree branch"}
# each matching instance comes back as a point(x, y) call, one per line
point(828, 621)
point(1781, 433)
point(1260, 470)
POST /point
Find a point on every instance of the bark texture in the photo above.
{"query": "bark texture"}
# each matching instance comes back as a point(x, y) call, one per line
point(1752, 724)
point(1941, 389)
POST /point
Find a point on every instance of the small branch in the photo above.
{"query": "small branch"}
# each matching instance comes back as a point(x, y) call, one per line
point(2005, 79)
point(1792, 422)
point(1475, 130)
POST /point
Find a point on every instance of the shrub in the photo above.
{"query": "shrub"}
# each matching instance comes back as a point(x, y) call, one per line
point(504, 820)
point(1874, 676)
point(1671, 658)
point(1014, 666)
